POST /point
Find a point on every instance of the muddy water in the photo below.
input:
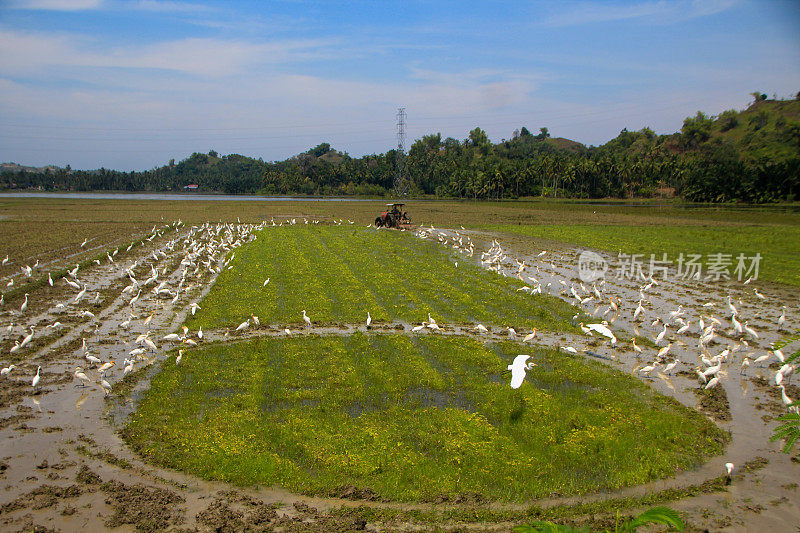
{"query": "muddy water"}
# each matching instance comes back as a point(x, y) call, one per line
point(61, 427)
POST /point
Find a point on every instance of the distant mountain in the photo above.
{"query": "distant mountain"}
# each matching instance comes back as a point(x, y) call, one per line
point(14, 167)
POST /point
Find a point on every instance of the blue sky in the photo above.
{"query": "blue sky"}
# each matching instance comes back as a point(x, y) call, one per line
point(132, 84)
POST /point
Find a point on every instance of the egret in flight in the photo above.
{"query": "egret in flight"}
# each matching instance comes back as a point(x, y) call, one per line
point(518, 369)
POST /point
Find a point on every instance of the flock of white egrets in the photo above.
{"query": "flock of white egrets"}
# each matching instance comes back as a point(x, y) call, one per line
point(701, 330)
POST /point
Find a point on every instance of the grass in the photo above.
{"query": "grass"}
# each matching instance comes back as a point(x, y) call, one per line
point(776, 244)
point(412, 418)
point(52, 229)
point(338, 274)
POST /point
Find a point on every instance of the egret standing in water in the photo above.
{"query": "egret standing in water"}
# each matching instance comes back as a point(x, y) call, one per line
point(35, 380)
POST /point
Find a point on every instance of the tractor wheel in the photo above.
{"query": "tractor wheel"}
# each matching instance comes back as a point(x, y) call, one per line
point(378, 222)
point(389, 222)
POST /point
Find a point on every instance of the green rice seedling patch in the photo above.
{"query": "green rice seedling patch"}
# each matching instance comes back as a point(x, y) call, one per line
point(777, 245)
point(412, 418)
point(338, 274)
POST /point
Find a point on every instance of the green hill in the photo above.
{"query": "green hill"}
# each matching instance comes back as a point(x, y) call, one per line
point(768, 130)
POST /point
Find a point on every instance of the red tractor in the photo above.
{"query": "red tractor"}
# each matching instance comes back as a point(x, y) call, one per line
point(393, 217)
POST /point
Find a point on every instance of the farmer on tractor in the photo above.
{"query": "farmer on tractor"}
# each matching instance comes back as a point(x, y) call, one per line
point(393, 217)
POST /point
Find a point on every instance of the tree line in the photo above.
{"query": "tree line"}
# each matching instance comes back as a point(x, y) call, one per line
point(749, 156)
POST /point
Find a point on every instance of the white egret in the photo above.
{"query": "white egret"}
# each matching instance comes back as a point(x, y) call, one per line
point(784, 398)
point(105, 366)
point(663, 351)
point(244, 325)
point(81, 376)
point(530, 335)
point(35, 380)
point(135, 298)
point(712, 383)
point(646, 370)
point(27, 339)
point(194, 307)
point(80, 295)
point(518, 368)
point(760, 296)
point(668, 369)
point(49, 279)
point(178, 359)
point(636, 347)
point(661, 335)
point(712, 370)
point(369, 319)
point(417, 328)
point(750, 331)
point(603, 330)
point(7, 370)
point(728, 471)
point(737, 326)
point(676, 314)
point(745, 364)
point(24, 305)
point(782, 318)
point(731, 307)
point(306, 319)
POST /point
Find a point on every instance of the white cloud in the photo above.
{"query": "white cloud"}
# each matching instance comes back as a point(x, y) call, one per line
point(166, 6)
point(26, 53)
point(55, 5)
point(660, 11)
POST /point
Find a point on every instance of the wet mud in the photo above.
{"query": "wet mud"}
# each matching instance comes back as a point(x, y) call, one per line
point(65, 467)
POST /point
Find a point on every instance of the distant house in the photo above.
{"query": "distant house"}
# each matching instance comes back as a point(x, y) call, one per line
point(191, 187)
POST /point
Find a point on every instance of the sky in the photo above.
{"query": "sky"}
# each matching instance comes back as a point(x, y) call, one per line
point(130, 85)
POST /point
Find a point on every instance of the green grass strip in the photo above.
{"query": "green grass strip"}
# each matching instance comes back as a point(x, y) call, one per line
point(338, 274)
point(778, 245)
point(412, 417)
